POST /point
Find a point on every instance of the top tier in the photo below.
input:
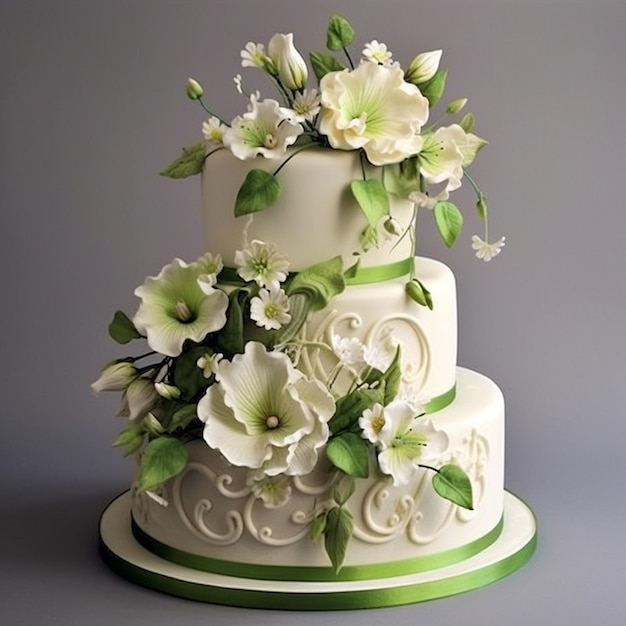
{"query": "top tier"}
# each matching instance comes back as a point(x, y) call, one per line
point(316, 217)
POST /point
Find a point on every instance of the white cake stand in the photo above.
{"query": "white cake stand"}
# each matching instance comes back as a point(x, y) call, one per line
point(128, 558)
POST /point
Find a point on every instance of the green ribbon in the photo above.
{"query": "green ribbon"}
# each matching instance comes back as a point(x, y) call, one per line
point(441, 402)
point(315, 574)
point(360, 276)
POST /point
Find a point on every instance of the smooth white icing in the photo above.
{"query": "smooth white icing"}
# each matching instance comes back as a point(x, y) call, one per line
point(315, 219)
point(212, 512)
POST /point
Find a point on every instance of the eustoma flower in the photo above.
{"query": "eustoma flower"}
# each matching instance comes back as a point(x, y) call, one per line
point(373, 108)
point(292, 69)
point(264, 414)
point(174, 307)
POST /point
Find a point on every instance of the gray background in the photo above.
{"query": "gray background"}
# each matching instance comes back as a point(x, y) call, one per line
point(92, 105)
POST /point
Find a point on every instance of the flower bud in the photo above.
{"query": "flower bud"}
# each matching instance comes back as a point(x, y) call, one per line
point(115, 377)
point(152, 424)
point(392, 226)
point(139, 398)
point(423, 67)
point(292, 69)
point(194, 89)
point(456, 105)
point(169, 392)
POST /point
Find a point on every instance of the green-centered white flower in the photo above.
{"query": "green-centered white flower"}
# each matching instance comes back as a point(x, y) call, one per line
point(376, 52)
point(405, 442)
point(349, 351)
point(265, 414)
point(262, 263)
point(270, 309)
point(441, 157)
point(274, 491)
point(213, 131)
point(267, 129)
point(373, 108)
point(306, 105)
point(292, 69)
point(174, 308)
point(211, 265)
point(209, 363)
point(253, 55)
point(114, 377)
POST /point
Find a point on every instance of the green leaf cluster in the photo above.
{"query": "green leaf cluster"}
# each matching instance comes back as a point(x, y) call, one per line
point(189, 163)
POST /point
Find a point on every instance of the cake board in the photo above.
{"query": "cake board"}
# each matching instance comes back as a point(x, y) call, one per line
point(129, 559)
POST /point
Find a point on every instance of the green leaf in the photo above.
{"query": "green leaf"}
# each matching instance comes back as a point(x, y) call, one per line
point(350, 453)
point(130, 438)
point(467, 122)
point(339, 34)
point(323, 64)
point(419, 294)
point(402, 179)
point(434, 87)
point(186, 375)
point(320, 282)
point(182, 417)
point(189, 163)
point(453, 484)
point(351, 272)
point(163, 459)
point(449, 221)
point(299, 310)
point(337, 535)
point(349, 408)
point(372, 197)
point(318, 526)
point(259, 190)
point(344, 490)
point(391, 378)
point(122, 328)
point(230, 339)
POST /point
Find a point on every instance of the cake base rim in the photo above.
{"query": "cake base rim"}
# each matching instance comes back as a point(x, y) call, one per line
point(127, 558)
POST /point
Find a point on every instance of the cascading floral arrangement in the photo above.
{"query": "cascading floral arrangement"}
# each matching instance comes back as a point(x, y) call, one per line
point(224, 361)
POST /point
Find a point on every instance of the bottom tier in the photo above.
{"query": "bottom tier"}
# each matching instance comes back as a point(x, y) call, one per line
point(127, 557)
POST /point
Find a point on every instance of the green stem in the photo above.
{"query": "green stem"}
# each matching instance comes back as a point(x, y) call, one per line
point(349, 58)
point(206, 108)
point(293, 154)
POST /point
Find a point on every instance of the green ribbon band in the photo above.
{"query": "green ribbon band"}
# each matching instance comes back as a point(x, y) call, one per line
point(315, 574)
point(360, 276)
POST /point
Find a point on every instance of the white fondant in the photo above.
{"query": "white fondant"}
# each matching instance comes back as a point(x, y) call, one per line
point(391, 523)
point(316, 217)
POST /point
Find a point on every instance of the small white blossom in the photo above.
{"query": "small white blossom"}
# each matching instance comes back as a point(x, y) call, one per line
point(209, 363)
point(267, 129)
point(253, 55)
point(372, 422)
point(262, 263)
point(211, 265)
point(306, 105)
point(412, 396)
point(274, 491)
point(380, 354)
point(238, 83)
point(213, 131)
point(349, 350)
point(487, 251)
point(377, 53)
point(270, 309)
point(425, 200)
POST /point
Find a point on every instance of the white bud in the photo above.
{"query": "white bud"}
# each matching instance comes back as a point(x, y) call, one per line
point(194, 89)
point(291, 67)
point(169, 392)
point(139, 398)
point(115, 377)
point(423, 67)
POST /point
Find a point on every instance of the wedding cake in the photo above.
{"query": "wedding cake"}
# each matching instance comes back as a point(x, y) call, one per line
point(304, 437)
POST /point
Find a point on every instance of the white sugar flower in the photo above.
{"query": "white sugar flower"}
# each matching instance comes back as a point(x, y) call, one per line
point(270, 309)
point(211, 265)
point(114, 377)
point(441, 158)
point(291, 67)
point(138, 399)
point(412, 395)
point(209, 363)
point(406, 442)
point(373, 108)
point(262, 263)
point(265, 414)
point(266, 129)
point(174, 308)
point(372, 422)
point(253, 55)
point(423, 67)
point(349, 350)
point(381, 353)
point(169, 392)
point(274, 491)
point(377, 53)
point(487, 251)
point(306, 105)
point(238, 83)
point(427, 201)
point(213, 131)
